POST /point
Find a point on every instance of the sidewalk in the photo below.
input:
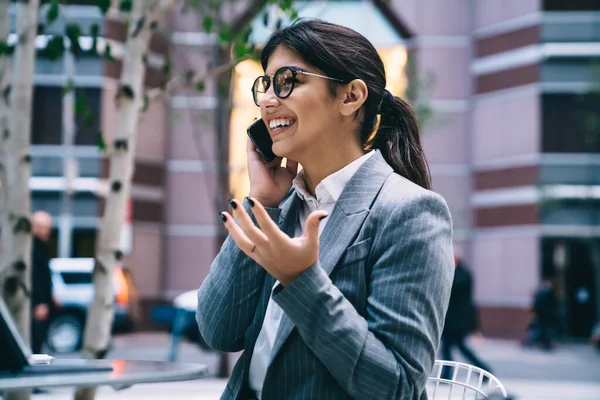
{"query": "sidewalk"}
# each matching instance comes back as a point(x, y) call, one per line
point(571, 372)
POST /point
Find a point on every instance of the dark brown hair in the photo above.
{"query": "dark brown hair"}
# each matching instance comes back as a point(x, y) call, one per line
point(345, 54)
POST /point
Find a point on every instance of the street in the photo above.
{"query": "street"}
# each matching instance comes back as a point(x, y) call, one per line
point(572, 371)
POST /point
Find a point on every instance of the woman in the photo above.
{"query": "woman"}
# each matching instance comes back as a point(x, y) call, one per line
point(335, 280)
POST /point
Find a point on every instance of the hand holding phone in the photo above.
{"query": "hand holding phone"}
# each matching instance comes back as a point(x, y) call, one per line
point(269, 180)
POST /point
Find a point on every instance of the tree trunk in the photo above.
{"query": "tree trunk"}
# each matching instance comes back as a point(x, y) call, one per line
point(5, 77)
point(129, 100)
point(15, 275)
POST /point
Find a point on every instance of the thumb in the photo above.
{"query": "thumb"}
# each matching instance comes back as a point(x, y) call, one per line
point(311, 231)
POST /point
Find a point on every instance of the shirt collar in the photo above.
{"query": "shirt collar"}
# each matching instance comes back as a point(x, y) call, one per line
point(330, 188)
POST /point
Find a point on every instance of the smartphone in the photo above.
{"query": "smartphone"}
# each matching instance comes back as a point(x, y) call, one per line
point(259, 134)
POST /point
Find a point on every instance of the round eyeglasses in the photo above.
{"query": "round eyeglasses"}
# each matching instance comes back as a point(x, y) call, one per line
point(283, 83)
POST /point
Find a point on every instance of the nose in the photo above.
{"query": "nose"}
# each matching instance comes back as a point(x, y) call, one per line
point(269, 99)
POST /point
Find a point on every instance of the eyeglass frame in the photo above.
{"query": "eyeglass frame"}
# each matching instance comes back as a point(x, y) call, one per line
point(295, 72)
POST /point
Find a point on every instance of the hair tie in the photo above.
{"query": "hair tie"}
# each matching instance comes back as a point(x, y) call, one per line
point(388, 97)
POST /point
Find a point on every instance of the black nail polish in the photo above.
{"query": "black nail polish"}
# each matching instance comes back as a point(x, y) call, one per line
point(322, 217)
point(233, 204)
point(250, 201)
point(223, 217)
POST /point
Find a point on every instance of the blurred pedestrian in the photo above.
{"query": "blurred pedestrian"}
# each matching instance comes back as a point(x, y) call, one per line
point(333, 279)
point(461, 319)
point(544, 317)
point(41, 282)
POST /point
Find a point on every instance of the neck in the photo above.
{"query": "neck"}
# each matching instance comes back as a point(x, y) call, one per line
point(317, 169)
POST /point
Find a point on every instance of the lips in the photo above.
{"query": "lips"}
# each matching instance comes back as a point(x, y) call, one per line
point(278, 125)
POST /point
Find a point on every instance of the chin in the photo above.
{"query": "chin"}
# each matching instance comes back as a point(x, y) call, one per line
point(280, 149)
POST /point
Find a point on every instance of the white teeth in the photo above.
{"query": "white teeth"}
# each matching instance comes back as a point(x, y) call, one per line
point(280, 123)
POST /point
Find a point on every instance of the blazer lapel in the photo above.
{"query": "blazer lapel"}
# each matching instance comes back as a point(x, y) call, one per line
point(343, 225)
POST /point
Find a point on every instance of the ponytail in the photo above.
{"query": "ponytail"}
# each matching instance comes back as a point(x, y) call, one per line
point(398, 139)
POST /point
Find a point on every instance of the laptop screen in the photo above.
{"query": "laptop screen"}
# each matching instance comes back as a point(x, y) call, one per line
point(15, 354)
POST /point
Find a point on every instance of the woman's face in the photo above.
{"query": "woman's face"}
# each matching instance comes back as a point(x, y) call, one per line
point(302, 125)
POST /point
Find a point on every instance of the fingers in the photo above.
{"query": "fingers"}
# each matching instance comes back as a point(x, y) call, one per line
point(237, 234)
point(250, 147)
point(275, 163)
point(252, 153)
point(291, 166)
point(254, 234)
point(266, 224)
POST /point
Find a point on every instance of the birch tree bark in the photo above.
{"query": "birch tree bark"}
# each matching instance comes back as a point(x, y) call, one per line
point(5, 77)
point(129, 100)
point(16, 167)
point(15, 274)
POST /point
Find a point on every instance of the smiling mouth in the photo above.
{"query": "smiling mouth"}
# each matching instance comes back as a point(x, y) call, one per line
point(279, 124)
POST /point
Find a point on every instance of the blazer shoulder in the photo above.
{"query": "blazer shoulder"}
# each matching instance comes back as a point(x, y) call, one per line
point(398, 193)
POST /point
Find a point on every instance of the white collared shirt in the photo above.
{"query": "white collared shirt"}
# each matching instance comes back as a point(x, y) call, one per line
point(327, 193)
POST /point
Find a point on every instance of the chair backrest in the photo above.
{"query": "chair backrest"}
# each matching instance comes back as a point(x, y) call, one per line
point(462, 381)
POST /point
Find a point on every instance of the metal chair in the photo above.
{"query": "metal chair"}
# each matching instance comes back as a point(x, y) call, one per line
point(467, 383)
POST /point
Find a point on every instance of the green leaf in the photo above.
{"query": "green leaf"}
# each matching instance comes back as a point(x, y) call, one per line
point(126, 5)
point(88, 119)
point(95, 30)
point(81, 106)
point(4, 48)
point(286, 5)
point(240, 50)
point(208, 24)
point(200, 86)
point(246, 35)
point(103, 5)
point(54, 48)
point(108, 53)
point(224, 35)
point(73, 32)
point(53, 11)
point(101, 142)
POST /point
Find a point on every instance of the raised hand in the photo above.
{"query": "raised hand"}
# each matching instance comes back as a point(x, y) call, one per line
point(269, 182)
point(283, 257)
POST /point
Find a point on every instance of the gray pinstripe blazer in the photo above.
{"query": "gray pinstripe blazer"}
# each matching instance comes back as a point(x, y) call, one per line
point(365, 321)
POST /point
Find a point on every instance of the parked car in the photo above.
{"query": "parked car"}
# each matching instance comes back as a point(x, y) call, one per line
point(73, 292)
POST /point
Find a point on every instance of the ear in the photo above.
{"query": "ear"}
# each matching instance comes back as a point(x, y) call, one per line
point(353, 96)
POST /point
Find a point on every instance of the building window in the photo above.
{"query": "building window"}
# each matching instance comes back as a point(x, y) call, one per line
point(46, 200)
point(46, 121)
point(46, 118)
point(570, 123)
point(84, 242)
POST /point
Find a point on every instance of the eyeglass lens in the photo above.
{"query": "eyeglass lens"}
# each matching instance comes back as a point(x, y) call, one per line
point(283, 84)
